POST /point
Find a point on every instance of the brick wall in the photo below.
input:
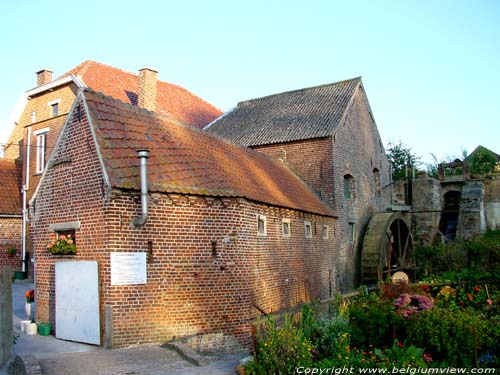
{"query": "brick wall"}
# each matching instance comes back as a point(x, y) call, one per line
point(311, 160)
point(355, 149)
point(10, 235)
point(191, 289)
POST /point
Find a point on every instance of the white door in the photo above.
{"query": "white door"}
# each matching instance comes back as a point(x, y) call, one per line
point(77, 301)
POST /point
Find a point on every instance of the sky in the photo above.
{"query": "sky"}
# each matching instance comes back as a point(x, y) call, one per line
point(431, 69)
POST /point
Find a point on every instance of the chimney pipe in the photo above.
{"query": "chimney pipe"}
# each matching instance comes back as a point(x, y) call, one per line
point(43, 76)
point(139, 221)
point(146, 97)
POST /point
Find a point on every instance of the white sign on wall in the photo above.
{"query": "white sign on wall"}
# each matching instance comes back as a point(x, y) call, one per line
point(128, 268)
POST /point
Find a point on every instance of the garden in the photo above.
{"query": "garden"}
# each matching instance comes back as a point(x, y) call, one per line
point(448, 319)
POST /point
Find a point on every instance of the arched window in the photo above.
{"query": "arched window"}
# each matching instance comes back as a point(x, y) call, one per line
point(349, 190)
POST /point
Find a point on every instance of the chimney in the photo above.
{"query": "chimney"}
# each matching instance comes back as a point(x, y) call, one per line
point(147, 89)
point(43, 76)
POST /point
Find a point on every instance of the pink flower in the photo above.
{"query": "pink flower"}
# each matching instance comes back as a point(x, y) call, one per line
point(427, 357)
point(489, 301)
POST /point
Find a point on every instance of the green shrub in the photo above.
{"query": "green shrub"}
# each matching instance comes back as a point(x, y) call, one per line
point(330, 336)
point(457, 337)
point(373, 323)
point(280, 350)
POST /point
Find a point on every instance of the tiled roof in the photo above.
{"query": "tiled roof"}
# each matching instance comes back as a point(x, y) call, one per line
point(186, 160)
point(290, 116)
point(10, 193)
point(172, 100)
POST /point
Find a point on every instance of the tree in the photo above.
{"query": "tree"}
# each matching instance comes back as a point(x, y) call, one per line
point(401, 157)
point(482, 161)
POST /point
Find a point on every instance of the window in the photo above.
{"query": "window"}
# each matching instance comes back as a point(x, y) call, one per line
point(41, 149)
point(348, 187)
point(54, 107)
point(261, 225)
point(308, 229)
point(376, 182)
point(352, 232)
point(285, 227)
point(325, 231)
point(33, 117)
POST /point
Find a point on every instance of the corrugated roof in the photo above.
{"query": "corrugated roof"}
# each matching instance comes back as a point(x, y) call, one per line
point(10, 193)
point(172, 100)
point(186, 160)
point(290, 116)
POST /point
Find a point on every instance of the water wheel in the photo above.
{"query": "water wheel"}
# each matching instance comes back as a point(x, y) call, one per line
point(387, 247)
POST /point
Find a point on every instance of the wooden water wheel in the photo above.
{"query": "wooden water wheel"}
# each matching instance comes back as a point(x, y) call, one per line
point(387, 247)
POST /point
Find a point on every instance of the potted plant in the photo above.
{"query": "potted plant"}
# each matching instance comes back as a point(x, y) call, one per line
point(63, 245)
point(11, 252)
point(30, 298)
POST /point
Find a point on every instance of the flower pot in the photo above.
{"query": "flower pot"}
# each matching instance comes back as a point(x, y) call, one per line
point(28, 310)
point(19, 275)
point(31, 329)
point(44, 329)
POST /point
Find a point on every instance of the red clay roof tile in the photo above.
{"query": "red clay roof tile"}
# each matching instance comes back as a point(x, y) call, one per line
point(172, 100)
point(185, 160)
point(10, 194)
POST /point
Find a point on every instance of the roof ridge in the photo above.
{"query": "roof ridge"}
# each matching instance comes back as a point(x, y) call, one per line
point(297, 90)
point(88, 62)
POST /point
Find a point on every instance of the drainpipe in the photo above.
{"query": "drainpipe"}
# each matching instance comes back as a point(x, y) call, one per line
point(139, 221)
point(25, 188)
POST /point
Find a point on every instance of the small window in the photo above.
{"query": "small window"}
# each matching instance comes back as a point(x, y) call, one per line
point(325, 231)
point(308, 229)
point(41, 149)
point(261, 225)
point(55, 109)
point(376, 182)
point(349, 187)
point(285, 227)
point(33, 117)
point(352, 232)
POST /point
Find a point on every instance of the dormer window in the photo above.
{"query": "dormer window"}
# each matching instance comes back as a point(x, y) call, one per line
point(41, 149)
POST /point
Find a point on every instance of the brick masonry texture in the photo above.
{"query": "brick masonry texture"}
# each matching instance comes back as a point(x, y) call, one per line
point(10, 229)
point(354, 149)
point(190, 290)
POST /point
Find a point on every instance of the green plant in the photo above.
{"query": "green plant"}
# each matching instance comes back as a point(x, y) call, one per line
point(11, 252)
point(373, 323)
point(63, 245)
point(401, 355)
point(280, 350)
point(457, 337)
point(329, 336)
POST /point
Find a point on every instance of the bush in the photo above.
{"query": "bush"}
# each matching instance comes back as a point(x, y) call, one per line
point(373, 323)
point(330, 336)
point(457, 337)
point(281, 350)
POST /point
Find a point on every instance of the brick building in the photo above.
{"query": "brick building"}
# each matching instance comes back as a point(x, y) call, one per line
point(328, 136)
point(10, 214)
point(229, 233)
point(42, 111)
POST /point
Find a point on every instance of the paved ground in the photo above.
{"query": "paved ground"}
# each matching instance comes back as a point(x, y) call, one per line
point(60, 357)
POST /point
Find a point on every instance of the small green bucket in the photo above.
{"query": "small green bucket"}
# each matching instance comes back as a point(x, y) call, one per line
point(19, 275)
point(44, 329)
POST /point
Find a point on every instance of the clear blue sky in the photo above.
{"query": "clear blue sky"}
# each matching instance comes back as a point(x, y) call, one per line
point(431, 68)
